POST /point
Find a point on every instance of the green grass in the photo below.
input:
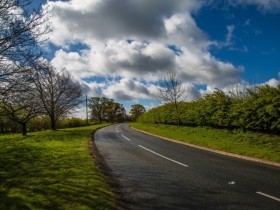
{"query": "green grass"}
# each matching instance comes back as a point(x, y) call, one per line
point(256, 145)
point(51, 170)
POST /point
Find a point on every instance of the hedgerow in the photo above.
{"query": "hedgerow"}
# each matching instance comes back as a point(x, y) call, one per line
point(256, 109)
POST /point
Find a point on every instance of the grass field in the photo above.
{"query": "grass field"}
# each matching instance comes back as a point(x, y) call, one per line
point(256, 145)
point(51, 170)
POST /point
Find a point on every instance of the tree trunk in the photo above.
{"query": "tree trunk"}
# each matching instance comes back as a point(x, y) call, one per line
point(23, 129)
point(177, 114)
point(53, 124)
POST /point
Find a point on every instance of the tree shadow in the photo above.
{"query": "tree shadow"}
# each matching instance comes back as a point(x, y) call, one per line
point(33, 178)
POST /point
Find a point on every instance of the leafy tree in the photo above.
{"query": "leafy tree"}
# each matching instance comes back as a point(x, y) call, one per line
point(104, 109)
point(115, 112)
point(98, 107)
point(217, 107)
point(136, 110)
point(269, 108)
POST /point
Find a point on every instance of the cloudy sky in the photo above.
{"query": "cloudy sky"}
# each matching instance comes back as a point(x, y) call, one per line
point(122, 48)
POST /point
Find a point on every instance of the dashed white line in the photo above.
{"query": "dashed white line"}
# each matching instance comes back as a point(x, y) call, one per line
point(182, 164)
point(125, 137)
point(268, 196)
point(122, 135)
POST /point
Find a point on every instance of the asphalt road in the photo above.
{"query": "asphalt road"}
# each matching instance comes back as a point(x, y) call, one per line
point(158, 174)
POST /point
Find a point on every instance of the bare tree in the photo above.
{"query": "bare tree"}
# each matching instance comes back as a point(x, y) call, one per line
point(172, 91)
point(21, 106)
point(58, 92)
point(21, 31)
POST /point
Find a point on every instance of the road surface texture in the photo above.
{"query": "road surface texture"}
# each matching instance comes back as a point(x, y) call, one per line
point(159, 174)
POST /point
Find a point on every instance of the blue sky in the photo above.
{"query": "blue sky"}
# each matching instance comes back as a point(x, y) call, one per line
point(255, 41)
point(122, 48)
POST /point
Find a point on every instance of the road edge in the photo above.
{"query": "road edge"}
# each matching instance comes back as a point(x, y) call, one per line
point(107, 173)
point(243, 157)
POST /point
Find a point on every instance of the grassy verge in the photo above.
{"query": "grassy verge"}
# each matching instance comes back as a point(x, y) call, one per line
point(256, 145)
point(51, 170)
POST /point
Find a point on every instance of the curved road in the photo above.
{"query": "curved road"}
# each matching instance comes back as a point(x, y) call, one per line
point(158, 174)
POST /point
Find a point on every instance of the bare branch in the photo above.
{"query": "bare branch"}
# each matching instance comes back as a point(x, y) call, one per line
point(21, 32)
point(172, 91)
point(58, 92)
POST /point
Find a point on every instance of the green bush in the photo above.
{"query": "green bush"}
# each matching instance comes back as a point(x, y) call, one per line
point(255, 109)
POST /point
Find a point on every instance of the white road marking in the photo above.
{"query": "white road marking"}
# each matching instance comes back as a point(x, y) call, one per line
point(125, 137)
point(268, 196)
point(182, 164)
point(117, 130)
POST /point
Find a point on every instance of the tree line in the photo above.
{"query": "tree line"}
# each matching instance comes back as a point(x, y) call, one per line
point(103, 109)
point(29, 85)
point(39, 123)
point(254, 109)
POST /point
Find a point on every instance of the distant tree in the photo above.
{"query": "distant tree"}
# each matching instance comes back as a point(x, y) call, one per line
point(136, 110)
point(172, 91)
point(58, 92)
point(114, 112)
point(7, 126)
point(105, 109)
point(120, 113)
point(97, 106)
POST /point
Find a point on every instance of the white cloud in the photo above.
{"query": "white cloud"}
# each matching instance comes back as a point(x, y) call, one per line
point(112, 19)
point(136, 42)
point(273, 82)
point(263, 5)
point(74, 62)
point(230, 36)
point(247, 22)
point(192, 92)
point(182, 30)
point(130, 90)
point(203, 68)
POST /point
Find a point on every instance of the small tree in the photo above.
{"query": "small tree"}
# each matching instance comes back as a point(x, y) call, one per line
point(172, 91)
point(58, 92)
point(136, 110)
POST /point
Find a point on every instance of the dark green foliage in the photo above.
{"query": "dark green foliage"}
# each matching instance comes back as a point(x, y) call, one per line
point(103, 109)
point(39, 124)
point(71, 123)
point(136, 110)
point(255, 109)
